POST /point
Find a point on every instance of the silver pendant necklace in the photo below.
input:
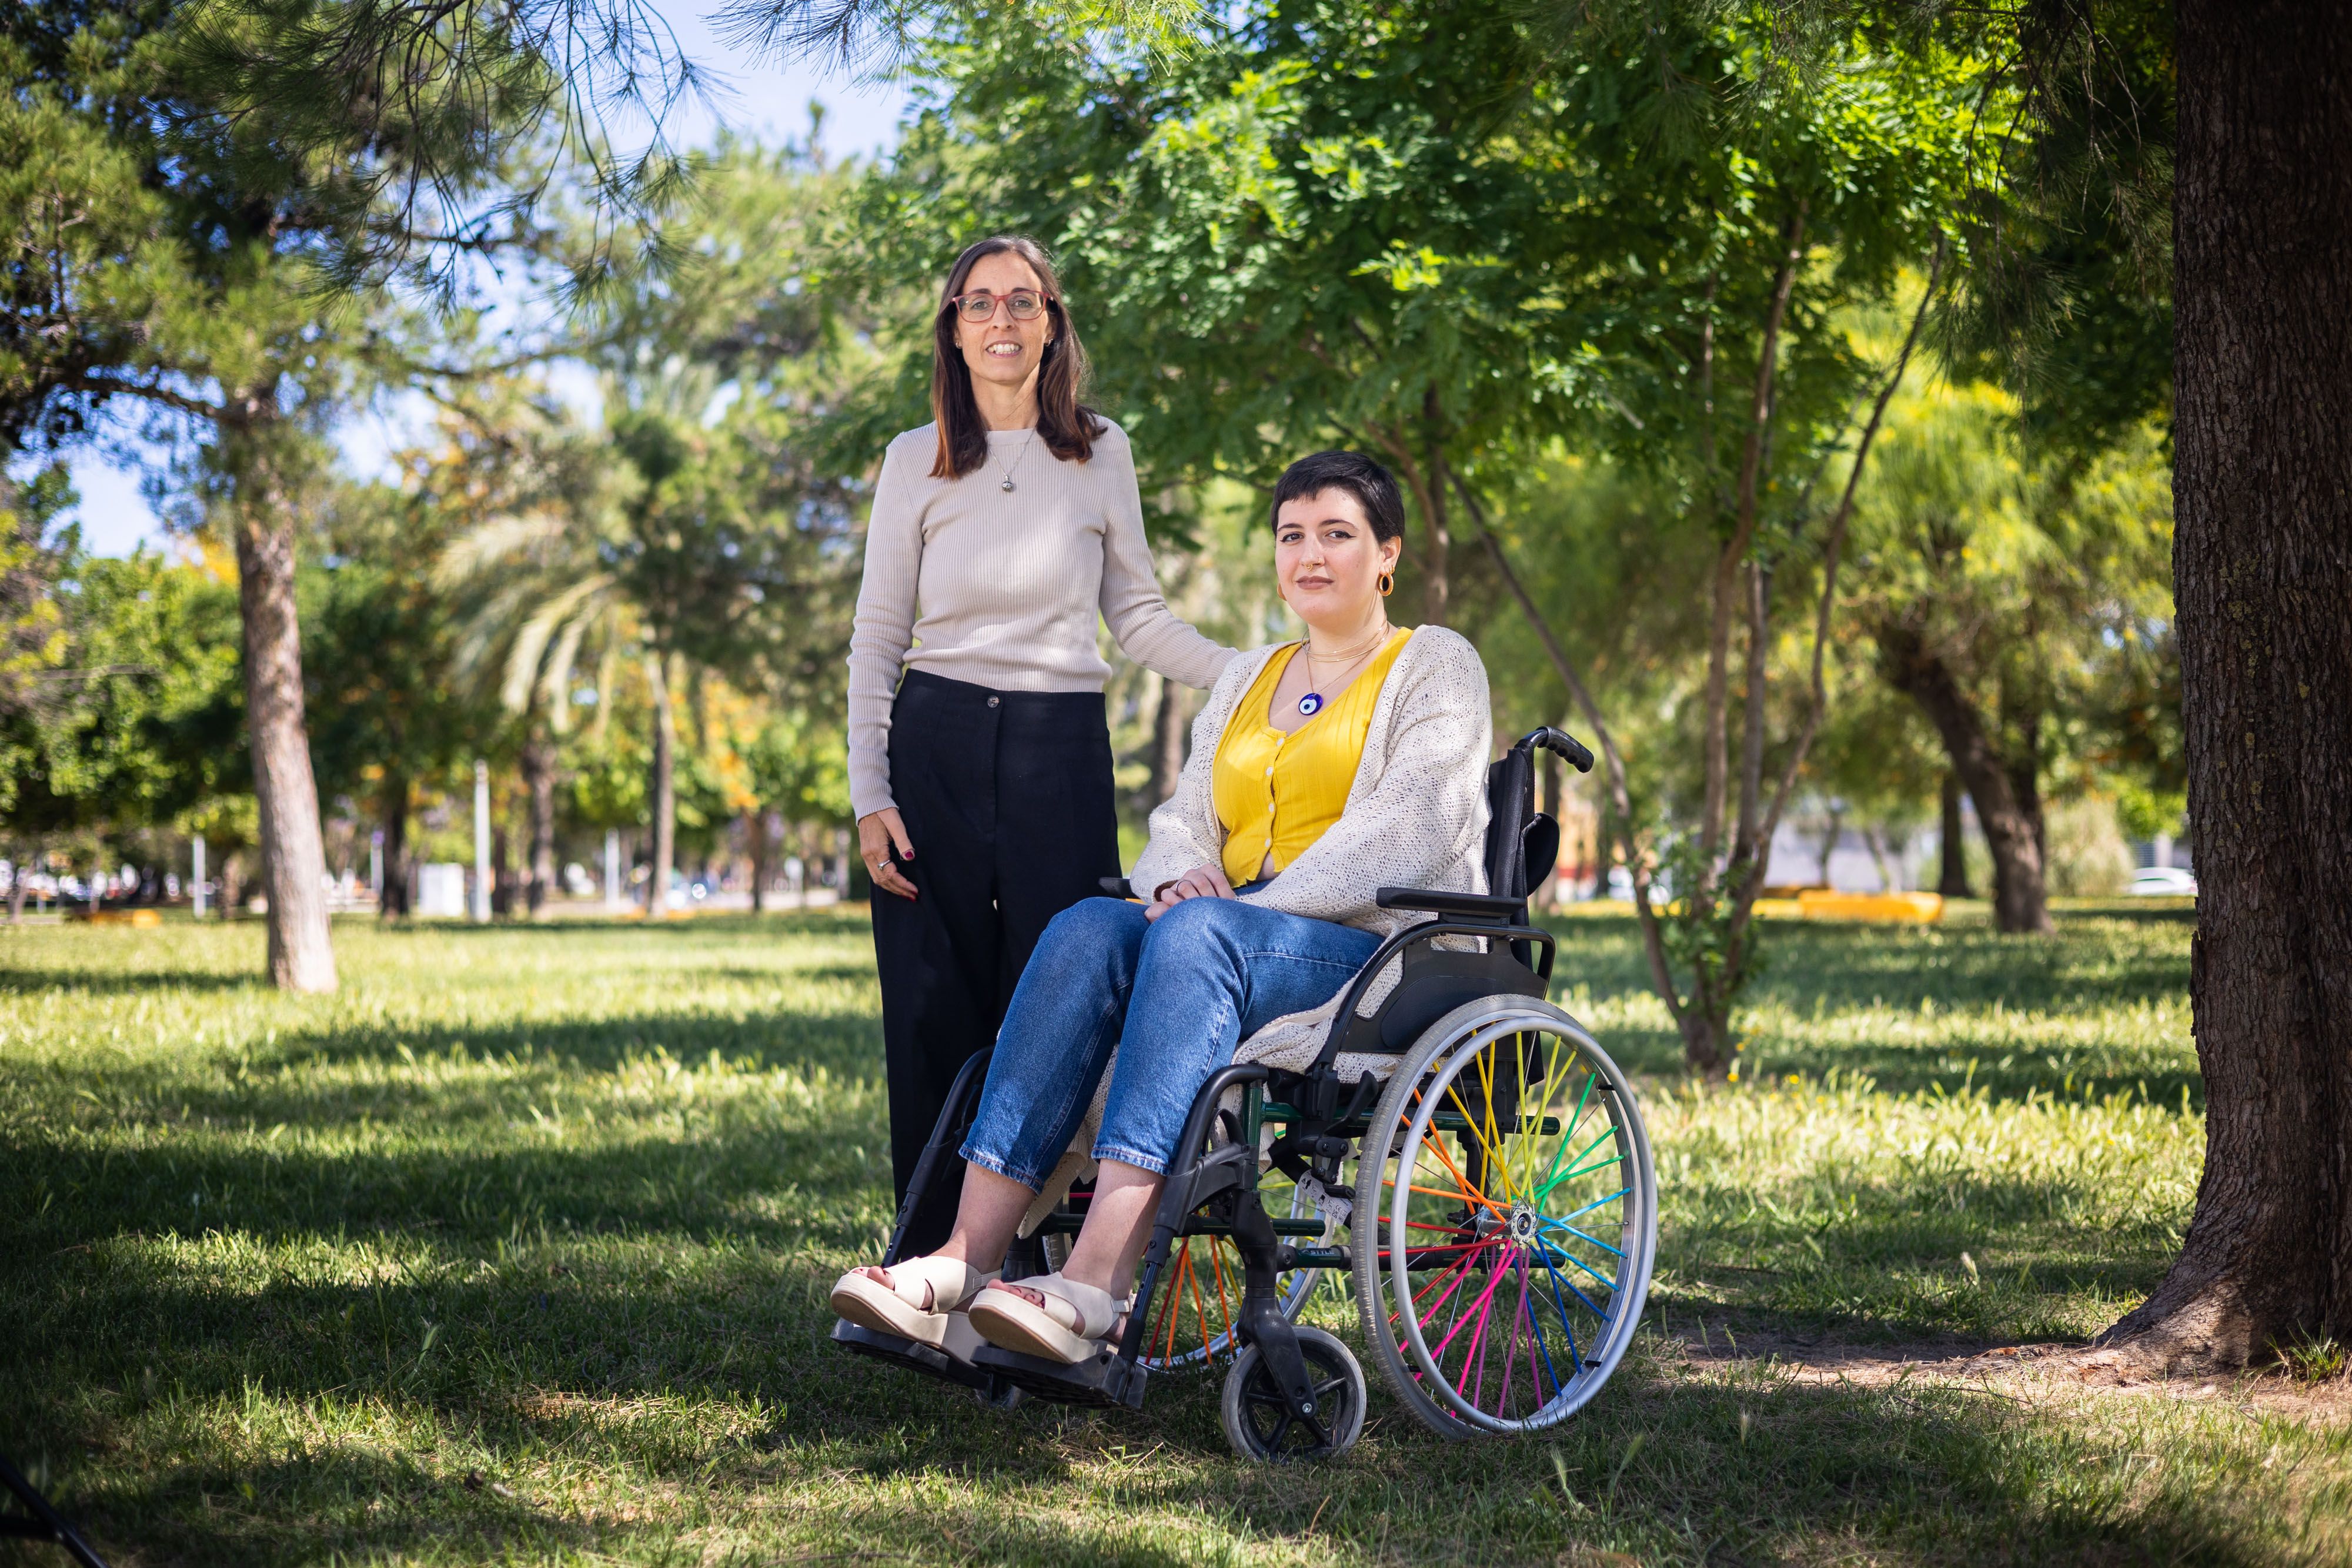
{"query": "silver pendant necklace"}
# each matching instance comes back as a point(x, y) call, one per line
point(1007, 485)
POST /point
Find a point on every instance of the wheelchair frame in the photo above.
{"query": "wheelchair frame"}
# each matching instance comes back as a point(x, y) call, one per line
point(1213, 1191)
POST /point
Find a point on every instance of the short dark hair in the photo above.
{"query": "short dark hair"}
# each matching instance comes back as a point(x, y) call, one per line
point(1374, 489)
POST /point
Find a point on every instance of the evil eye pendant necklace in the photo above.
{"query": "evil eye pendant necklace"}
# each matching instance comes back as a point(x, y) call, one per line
point(1311, 703)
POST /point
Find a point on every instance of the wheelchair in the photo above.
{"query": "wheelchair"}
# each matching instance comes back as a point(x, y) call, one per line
point(1477, 1173)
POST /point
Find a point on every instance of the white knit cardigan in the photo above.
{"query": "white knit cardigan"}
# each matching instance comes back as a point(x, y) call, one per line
point(1415, 817)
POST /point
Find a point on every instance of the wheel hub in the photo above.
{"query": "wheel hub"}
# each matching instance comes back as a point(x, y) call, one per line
point(1523, 1225)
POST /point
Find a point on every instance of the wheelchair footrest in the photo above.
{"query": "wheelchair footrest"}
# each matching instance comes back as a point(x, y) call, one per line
point(1103, 1380)
point(915, 1357)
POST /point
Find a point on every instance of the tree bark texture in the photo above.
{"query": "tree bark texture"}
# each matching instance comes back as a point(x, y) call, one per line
point(1953, 879)
point(665, 793)
point(539, 781)
point(2011, 820)
point(293, 849)
point(2262, 582)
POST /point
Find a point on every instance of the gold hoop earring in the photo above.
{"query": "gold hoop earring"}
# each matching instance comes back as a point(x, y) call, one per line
point(1387, 584)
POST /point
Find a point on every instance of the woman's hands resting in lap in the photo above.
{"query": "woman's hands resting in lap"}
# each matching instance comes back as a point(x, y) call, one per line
point(1204, 881)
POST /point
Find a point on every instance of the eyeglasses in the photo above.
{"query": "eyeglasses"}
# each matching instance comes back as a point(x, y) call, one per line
point(980, 304)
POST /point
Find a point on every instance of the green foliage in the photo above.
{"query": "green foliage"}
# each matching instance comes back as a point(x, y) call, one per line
point(135, 717)
point(798, 767)
point(385, 705)
point(605, 771)
point(1325, 226)
point(2069, 302)
point(91, 253)
point(2042, 581)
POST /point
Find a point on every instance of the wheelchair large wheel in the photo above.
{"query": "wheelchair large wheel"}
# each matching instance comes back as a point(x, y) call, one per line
point(1507, 1220)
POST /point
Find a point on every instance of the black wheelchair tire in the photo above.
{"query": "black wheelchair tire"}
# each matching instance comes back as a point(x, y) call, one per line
point(1249, 1391)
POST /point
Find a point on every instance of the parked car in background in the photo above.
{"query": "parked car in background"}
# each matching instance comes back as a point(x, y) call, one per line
point(2163, 882)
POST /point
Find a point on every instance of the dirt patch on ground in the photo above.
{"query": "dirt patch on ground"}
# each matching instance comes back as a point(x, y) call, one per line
point(2021, 1370)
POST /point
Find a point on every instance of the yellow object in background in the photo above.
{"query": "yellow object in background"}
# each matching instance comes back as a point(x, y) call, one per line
point(139, 917)
point(1917, 908)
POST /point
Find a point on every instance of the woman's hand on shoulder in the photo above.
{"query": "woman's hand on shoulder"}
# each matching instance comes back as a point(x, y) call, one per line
point(881, 843)
point(1206, 880)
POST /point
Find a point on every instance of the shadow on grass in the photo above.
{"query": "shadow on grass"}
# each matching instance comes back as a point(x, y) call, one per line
point(848, 1044)
point(751, 1171)
point(1977, 982)
point(29, 982)
point(841, 1455)
point(830, 921)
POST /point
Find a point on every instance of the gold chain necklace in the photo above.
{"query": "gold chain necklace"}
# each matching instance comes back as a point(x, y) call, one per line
point(1311, 703)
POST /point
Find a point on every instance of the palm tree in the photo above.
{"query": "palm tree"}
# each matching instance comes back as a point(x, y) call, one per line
point(555, 597)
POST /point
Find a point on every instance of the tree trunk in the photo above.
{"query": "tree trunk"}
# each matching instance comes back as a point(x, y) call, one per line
point(293, 849)
point(761, 852)
point(1437, 587)
point(2263, 574)
point(21, 867)
point(1953, 879)
point(2011, 823)
point(664, 794)
point(1730, 556)
point(1829, 836)
point(392, 809)
point(1875, 837)
point(539, 779)
point(502, 872)
point(1166, 740)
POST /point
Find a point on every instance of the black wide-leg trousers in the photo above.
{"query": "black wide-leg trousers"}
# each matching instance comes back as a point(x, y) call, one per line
point(1007, 801)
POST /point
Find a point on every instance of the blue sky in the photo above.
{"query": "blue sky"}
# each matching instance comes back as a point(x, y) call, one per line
point(760, 99)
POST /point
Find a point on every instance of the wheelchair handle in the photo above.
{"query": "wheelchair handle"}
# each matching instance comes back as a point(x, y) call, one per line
point(1563, 745)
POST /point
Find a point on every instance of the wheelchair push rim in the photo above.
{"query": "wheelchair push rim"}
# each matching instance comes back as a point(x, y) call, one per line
point(1519, 1173)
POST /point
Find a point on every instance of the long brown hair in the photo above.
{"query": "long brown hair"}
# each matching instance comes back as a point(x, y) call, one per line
point(1068, 426)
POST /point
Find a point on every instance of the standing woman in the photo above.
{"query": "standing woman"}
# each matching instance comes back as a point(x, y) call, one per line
point(980, 765)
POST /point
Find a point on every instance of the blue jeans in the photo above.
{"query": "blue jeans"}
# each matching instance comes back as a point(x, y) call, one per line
point(1176, 996)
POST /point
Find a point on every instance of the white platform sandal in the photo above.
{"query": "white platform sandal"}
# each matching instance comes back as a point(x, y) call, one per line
point(922, 1301)
point(1066, 1323)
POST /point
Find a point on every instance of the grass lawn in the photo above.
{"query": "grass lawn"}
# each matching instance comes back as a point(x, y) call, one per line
point(516, 1250)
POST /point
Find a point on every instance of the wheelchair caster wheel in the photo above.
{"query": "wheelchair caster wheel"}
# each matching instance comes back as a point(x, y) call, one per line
point(1258, 1421)
point(1003, 1397)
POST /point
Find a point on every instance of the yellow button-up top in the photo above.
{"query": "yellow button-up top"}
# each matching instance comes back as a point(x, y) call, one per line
point(1275, 794)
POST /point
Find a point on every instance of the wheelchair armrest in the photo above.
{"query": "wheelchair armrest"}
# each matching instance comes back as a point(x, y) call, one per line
point(1116, 887)
point(1471, 905)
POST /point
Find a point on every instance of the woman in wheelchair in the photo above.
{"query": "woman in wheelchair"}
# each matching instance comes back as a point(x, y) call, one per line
point(1320, 772)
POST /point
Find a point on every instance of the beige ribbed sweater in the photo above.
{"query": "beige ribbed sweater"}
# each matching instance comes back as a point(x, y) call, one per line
point(1003, 589)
